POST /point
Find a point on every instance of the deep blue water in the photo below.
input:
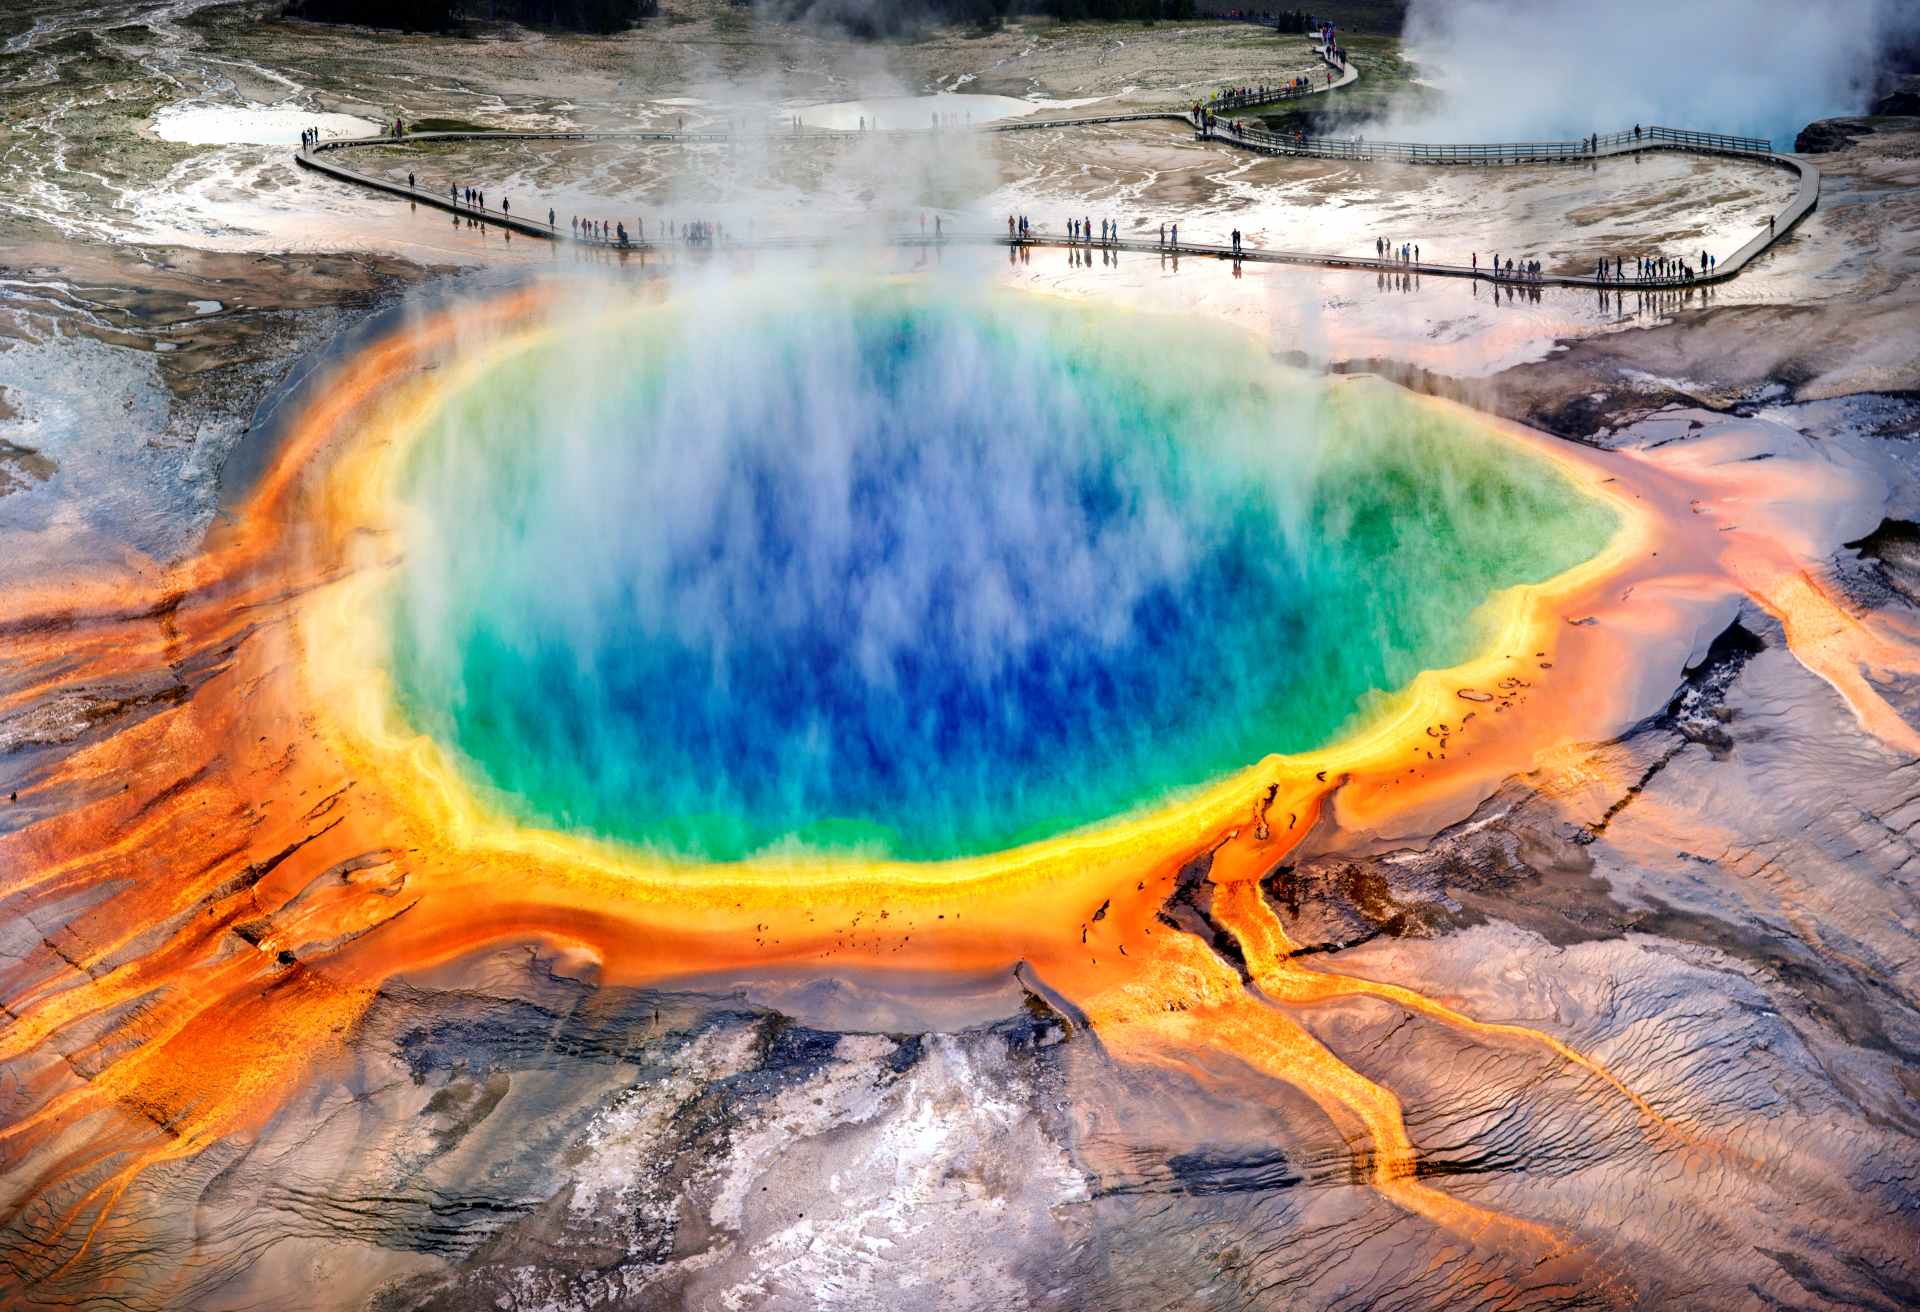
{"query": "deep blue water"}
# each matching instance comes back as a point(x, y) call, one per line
point(929, 580)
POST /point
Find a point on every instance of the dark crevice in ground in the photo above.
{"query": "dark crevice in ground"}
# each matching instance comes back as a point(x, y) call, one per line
point(1890, 560)
point(1189, 908)
point(1517, 858)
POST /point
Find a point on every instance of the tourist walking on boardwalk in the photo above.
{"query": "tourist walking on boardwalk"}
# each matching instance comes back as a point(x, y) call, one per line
point(550, 222)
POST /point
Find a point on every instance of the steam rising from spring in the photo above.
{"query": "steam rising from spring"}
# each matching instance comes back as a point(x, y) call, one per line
point(926, 572)
point(1513, 70)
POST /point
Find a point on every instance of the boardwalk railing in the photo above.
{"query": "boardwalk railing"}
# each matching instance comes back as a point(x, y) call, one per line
point(1273, 94)
point(1498, 152)
point(1700, 141)
point(1268, 95)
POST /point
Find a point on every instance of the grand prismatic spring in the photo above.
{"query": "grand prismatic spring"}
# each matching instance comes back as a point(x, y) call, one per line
point(752, 657)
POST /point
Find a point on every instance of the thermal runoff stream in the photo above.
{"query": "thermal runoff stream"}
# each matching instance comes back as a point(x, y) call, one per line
point(923, 577)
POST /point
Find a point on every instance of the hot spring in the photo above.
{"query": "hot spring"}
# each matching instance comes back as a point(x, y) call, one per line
point(890, 571)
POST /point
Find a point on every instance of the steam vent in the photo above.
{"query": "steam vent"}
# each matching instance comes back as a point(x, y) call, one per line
point(990, 656)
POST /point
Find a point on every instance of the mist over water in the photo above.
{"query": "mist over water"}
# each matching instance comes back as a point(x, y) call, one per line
point(926, 573)
point(1520, 70)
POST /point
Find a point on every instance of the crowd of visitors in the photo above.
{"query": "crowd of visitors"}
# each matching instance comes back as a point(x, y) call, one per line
point(1261, 94)
point(1661, 269)
point(1081, 230)
point(1404, 253)
point(1655, 269)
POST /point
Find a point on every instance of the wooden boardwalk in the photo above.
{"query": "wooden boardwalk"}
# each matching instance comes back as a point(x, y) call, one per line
point(1357, 149)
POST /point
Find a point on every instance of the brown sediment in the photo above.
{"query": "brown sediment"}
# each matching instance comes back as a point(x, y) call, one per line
point(254, 860)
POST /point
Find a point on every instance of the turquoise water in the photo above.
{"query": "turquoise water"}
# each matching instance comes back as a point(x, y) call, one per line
point(921, 578)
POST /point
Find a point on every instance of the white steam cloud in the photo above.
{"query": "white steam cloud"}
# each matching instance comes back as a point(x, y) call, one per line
point(1530, 69)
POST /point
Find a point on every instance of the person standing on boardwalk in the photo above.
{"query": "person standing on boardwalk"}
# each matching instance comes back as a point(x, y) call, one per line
point(410, 182)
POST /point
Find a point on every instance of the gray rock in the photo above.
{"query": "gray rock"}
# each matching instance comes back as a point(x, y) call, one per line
point(1831, 134)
